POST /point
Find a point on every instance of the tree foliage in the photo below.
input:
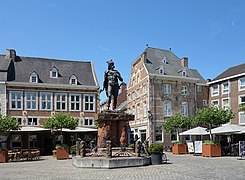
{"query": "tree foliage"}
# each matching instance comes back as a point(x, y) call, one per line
point(213, 116)
point(59, 121)
point(210, 116)
point(7, 123)
point(176, 122)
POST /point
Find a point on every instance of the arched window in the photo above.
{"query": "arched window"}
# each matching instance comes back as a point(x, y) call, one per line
point(33, 77)
point(54, 72)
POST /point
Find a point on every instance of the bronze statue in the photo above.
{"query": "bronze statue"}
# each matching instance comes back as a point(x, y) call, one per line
point(110, 84)
point(82, 149)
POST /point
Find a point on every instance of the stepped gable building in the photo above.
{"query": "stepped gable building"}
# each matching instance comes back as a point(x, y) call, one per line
point(33, 89)
point(227, 90)
point(161, 85)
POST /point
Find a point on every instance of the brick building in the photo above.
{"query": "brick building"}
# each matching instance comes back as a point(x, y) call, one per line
point(32, 89)
point(161, 85)
point(227, 90)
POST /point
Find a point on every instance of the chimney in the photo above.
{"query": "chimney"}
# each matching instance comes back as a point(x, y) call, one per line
point(184, 62)
point(10, 54)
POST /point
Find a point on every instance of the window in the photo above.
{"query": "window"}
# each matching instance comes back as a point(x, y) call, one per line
point(144, 89)
point(167, 89)
point(133, 96)
point(32, 121)
point(184, 73)
point(46, 101)
point(31, 100)
point(75, 102)
point(61, 101)
point(54, 73)
point(241, 118)
point(33, 78)
point(215, 103)
point(184, 109)
point(205, 102)
point(138, 111)
point(242, 99)
point(225, 103)
point(215, 90)
point(16, 100)
point(138, 93)
point(16, 141)
point(73, 80)
point(138, 79)
point(159, 133)
point(19, 119)
point(241, 84)
point(225, 88)
point(184, 90)
point(145, 109)
point(161, 70)
point(199, 89)
point(129, 97)
point(88, 121)
point(167, 109)
point(33, 141)
point(89, 102)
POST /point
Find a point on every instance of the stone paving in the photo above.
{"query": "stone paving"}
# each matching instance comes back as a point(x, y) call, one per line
point(179, 167)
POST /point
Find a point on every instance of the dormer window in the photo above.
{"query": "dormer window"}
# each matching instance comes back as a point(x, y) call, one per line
point(184, 73)
point(33, 78)
point(73, 80)
point(54, 72)
point(164, 61)
point(161, 70)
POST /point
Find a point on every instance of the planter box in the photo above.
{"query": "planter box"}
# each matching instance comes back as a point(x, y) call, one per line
point(211, 150)
point(61, 153)
point(3, 156)
point(179, 149)
point(156, 159)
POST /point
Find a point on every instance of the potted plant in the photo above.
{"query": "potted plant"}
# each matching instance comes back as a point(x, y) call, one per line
point(73, 150)
point(155, 150)
point(57, 122)
point(179, 148)
point(211, 149)
point(6, 124)
point(62, 152)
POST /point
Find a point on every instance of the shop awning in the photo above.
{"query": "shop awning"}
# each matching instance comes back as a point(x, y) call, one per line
point(31, 129)
point(81, 129)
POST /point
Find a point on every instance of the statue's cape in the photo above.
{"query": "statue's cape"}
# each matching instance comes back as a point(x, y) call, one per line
point(105, 84)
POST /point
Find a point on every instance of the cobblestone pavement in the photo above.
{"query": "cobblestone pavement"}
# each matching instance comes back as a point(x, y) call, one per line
point(179, 167)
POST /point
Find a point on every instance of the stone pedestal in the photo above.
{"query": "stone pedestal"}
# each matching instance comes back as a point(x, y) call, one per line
point(111, 127)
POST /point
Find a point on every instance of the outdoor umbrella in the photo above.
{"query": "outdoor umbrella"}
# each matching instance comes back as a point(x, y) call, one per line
point(195, 131)
point(228, 129)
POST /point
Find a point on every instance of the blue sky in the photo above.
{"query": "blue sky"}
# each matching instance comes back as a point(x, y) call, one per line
point(211, 33)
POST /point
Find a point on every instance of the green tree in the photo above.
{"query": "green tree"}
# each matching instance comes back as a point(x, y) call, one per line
point(59, 121)
point(210, 116)
point(7, 124)
point(176, 122)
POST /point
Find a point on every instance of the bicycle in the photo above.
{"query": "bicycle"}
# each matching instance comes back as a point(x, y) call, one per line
point(164, 158)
